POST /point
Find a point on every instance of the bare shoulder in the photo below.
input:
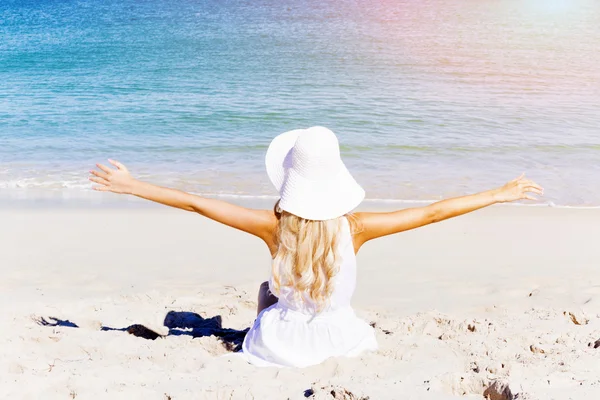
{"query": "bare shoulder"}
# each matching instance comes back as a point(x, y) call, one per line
point(363, 226)
point(268, 216)
point(266, 219)
point(269, 221)
point(357, 226)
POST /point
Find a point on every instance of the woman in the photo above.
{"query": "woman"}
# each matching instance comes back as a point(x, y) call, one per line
point(304, 312)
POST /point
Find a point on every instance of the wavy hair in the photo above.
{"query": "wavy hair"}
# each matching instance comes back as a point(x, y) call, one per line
point(307, 257)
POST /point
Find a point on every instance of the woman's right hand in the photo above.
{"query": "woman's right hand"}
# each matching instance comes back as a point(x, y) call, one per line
point(117, 180)
point(518, 189)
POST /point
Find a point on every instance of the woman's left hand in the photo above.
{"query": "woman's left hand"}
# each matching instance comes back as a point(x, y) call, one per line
point(518, 189)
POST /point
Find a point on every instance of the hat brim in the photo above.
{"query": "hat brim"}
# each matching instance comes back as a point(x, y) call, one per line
point(279, 158)
point(311, 199)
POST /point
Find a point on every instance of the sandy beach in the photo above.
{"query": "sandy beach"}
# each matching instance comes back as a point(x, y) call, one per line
point(504, 302)
point(111, 297)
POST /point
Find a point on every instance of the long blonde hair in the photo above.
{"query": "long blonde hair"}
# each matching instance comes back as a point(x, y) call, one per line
point(307, 257)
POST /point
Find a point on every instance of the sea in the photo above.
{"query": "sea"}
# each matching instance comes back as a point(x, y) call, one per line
point(429, 98)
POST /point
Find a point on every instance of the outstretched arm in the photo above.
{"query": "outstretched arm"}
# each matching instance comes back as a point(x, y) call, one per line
point(375, 225)
point(259, 223)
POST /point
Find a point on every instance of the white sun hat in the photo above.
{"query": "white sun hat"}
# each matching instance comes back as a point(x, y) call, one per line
point(305, 167)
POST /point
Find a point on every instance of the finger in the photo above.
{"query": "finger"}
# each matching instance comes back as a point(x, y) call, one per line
point(535, 186)
point(529, 197)
point(117, 164)
point(101, 188)
point(104, 168)
point(99, 180)
point(99, 174)
point(534, 190)
point(529, 182)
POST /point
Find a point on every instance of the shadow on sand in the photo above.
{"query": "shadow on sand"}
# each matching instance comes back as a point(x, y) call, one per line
point(179, 323)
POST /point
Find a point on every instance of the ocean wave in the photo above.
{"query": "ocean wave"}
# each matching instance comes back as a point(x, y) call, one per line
point(31, 190)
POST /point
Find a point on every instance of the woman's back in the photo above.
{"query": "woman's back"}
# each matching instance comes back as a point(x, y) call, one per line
point(294, 332)
point(344, 281)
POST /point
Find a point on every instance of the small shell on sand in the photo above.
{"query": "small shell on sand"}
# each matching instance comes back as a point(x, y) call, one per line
point(499, 390)
point(578, 318)
point(536, 350)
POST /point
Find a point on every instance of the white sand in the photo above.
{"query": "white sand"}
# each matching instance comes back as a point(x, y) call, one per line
point(492, 296)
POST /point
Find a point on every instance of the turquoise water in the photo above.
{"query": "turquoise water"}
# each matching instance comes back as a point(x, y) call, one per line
point(429, 98)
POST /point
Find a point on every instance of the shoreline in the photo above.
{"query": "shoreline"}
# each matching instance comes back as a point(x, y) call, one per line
point(64, 199)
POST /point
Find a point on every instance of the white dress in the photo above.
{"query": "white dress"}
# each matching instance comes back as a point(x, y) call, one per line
point(289, 334)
